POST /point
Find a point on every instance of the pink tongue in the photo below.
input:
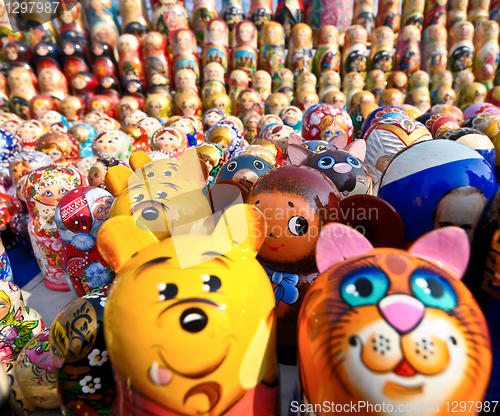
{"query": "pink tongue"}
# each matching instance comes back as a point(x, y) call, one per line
point(160, 375)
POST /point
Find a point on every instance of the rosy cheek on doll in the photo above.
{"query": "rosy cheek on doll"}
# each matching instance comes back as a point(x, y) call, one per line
point(55, 155)
point(52, 195)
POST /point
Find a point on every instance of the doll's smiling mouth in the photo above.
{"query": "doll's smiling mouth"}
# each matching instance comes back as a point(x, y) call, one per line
point(274, 248)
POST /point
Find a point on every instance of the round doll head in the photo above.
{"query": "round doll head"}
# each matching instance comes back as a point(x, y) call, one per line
point(302, 36)
point(278, 135)
point(82, 132)
point(306, 99)
point(127, 43)
point(262, 79)
point(212, 117)
point(356, 34)
point(84, 81)
point(72, 108)
point(135, 117)
point(245, 34)
point(29, 132)
point(227, 136)
point(221, 102)
point(238, 79)
point(216, 32)
point(329, 123)
point(472, 93)
point(272, 34)
point(248, 100)
point(276, 103)
point(188, 104)
point(306, 81)
point(170, 141)
point(185, 78)
point(328, 35)
point(25, 162)
point(267, 120)
point(126, 106)
point(60, 147)
point(158, 106)
point(97, 172)
point(295, 215)
point(213, 71)
point(183, 42)
point(52, 80)
point(420, 99)
point(292, 117)
point(213, 156)
point(150, 124)
point(251, 121)
point(40, 104)
point(20, 79)
point(399, 80)
point(51, 117)
point(101, 103)
point(330, 79)
point(105, 123)
point(11, 125)
point(113, 143)
point(393, 96)
point(235, 121)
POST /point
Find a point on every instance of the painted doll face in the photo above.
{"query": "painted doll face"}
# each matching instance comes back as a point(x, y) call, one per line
point(68, 48)
point(217, 31)
point(19, 169)
point(149, 124)
point(103, 124)
point(10, 125)
point(291, 117)
point(91, 118)
point(134, 118)
point(183, 126)
point(54, 153)
point(155, 108)
point(40, 110)
point(50, 117)
point(212, 118)
point(107, 145)
point(332, 131)
point(220, 104)
point(47, 79)
point(79, 83)
point(188, 108)
point(106, 82)
point(28, 130)
point(310, 100)
point(11, 53)
point(248, 101)
point(168, 142)
point(280, 138)
point(101, 207)
point(51, 195)
point(95, 176)
point(246, 32)
point(184, 40)
point(277, 106)
point(251, 123)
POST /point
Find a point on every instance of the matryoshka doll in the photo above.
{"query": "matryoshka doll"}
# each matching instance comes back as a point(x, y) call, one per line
point(389, 14)
point(299, 58)
point(203, 12)
point(248, 101)
point(227, 136)
point(283, 81)
point(11, 125)
point(461, 48)
point(434, 49)
point(250, 121)
point(22, 89)
point(375, 83)
point(238, 81)
point(158, 106)
point(25, 162)
point(135, 117)
point(337, 98)
point(472, 93)
point(292, 117)
point(214, 158)
point(74, 57)
point(40, 104)
point(169, 141)
point(457, 12)
point(212, 117)
point(461, 79)
point(329, 123)
point(113, 144)
point(419, 98)
point(272, 53)
point(43, 189)
point(478, 10)
point(353, 82)
point(288, 250)
point(84, 85)
point(276, 103)
point(53, 82)
point(216, 43)
point(47, 55)
point(289, 13)
point(329, 81)
point(190, 127)
point(156, 58)
point(103, 21)
point(185, 54)
point(61, 147)
point(97, 172)
point(103, 60)
point(262, 83)
point(52, 119)
point(398, 80)
point(327, 56)
point(261, 11)
point(110, 86)
point(130, 64)
point(222, 102)
point(188, 104)
point(364, 14)
point(72, 108)
point(10, 146)
point(105, 123)
point(232, 12)
point(79, 217)
point(29, 132)
point(487, 51)
point(84, 134)
point(102, 104)
point(244, 54)
point(408, 49)
point(435, 13)
point(169, 16)
point(382, 55)
point(134, 17)
point(355, 53)
point(305, 99)
point(139, 136)
point(413, 13)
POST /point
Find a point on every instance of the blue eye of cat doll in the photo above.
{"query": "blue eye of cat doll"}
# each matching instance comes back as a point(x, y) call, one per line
point(355, 163)
point(433, 290)
point(326, 162)
point(364, 287)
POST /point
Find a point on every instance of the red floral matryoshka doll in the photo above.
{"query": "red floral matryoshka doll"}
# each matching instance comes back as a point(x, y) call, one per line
point(156, 57)
point(61, 147)
point(130, 64)
point(297, 202)
point(104, 60)
point(84, 85)
point(43, 189)
point(79, 217)
point(330, 123)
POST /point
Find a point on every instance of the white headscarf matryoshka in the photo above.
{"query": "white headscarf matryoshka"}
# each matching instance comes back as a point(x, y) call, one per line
point(43, 189)
point(113, 143)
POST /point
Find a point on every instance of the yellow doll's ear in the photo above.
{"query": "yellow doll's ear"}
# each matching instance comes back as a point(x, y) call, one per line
point(119, 239)
point(191, 168)
point(244, 225)
point(139, 159)
point(116, 179)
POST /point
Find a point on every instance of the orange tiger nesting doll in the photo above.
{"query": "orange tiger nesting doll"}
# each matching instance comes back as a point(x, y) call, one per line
point(384, 326)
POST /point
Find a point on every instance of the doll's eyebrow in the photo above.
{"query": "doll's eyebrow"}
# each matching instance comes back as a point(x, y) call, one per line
point(139, 186)
point(150, 263)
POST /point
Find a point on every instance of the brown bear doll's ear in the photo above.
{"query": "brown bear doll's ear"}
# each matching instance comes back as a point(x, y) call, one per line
point(139, 159)
point(357, 148)
point(119, 239)
point(117, 178)
point(298, 155)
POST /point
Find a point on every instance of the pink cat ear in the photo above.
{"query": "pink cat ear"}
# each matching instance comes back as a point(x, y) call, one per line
point(448, 246)
point(298, 154)
point(338, 242)
point(295, 139)
point(357, 148)
point(339, 141)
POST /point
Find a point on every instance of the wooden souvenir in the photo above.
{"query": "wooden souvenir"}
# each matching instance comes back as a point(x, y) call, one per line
point(434, 50)
point(74, 57)
point(364, 15)
point(408, 49)
point(203, 12)
point(487, 51)
point(129, 63)
point(283, 82)
point(261, 11)
point(103, 62)
point(352, 83)
point(216, 43)
point(103, 21)
point(232, 12)
point(457, 12)
point(300, 55)
point(244, 52)
point(382, 47)
point(413, 13)
point(84, 85)
point(435, 13)
point(355, 53)
point(134, 17)
point(461, 48)
point(170, 16)
point(375, 82)
point(478, 10)
point(288, 14)
point(272, 53)
point(40, 104)
point(262, 83)
point(184, 49)
point(327, 56)
point(389, 14)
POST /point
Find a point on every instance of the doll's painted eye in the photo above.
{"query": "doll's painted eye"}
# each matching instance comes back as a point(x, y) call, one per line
point(48, 194)
point(150, 175)
point(298, 225)
point(167, 173)
point(433, 290)
point(211, 283)
point(167, 291)
point(321, 148)
point(364, 287)
point(161, 195)
point(258, 165)
point(232, 166)
point(62, 191)
point(96, 175)
point(355, 163)
point(326, 162)
point(138, 198)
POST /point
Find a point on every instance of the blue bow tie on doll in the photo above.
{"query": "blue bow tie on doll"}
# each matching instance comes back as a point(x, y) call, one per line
point(286, 286)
